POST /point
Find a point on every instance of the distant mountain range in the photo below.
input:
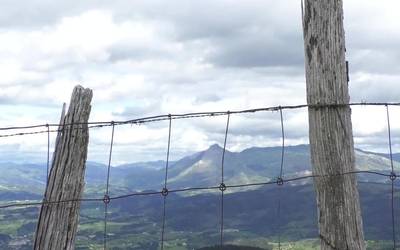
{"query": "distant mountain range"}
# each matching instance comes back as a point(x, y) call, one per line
point(251, 216)
point(256, 164)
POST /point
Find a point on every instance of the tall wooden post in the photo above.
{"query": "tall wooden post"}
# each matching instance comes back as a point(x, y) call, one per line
point(330, 128)
point(58, 222)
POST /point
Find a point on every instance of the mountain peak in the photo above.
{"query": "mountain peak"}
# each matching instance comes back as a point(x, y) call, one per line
point(214, 147)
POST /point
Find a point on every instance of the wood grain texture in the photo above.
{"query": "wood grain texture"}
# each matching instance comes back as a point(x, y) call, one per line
point(58, 223)
point(330, 129)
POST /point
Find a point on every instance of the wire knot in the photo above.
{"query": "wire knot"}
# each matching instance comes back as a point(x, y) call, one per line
point(279, 181)
point(393, 176)
point(106, 199)
point(222, 187)
point(164, 192)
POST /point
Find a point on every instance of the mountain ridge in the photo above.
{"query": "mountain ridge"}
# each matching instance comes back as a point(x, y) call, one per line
point(255, 164)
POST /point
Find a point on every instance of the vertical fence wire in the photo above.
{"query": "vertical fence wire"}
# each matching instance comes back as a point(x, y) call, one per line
point(283, 143)
point(48, 155)
point(165, 189)
point(280, 178)
point(106, 198)
point(279, 218)
point(392, 176)
point(222, 186)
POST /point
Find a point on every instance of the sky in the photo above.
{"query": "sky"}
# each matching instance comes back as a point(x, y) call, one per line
point(155, 57)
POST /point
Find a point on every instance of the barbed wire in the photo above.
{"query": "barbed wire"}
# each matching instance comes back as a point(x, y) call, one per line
point(158, 118)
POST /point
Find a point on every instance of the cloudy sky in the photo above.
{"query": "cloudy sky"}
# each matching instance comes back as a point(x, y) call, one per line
point(158, 57)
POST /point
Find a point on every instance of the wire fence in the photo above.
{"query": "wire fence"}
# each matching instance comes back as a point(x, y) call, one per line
point(222, 186)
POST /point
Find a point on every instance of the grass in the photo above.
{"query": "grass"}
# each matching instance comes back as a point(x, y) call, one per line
point(11, 227)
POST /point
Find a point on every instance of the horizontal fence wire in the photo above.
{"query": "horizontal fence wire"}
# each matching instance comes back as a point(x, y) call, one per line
point(190, 189)
point(280, 180)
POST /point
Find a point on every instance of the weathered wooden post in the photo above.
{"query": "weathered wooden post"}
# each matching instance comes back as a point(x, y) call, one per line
point(58, 222)
point(330, 128)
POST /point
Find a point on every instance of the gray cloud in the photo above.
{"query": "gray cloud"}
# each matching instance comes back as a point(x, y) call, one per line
point(140, 110)
point(259, 49)
point(207, 98)
point(367, 89)
point(36, 13)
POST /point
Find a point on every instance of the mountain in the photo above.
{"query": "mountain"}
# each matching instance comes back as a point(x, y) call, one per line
point(256, 164)
point(22, 177)
point(192, 220)
point(260, 164)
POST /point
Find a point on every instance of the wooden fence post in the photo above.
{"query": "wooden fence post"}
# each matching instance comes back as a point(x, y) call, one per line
point(58, 222)
point(330, 128)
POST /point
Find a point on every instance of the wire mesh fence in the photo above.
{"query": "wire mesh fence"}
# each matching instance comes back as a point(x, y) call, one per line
point(221, 187)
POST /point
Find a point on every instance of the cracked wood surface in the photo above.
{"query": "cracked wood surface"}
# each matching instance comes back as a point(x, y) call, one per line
point(57, 224)
point(330, 129)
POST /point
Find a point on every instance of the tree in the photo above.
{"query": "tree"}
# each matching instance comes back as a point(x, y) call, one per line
point(330, 128)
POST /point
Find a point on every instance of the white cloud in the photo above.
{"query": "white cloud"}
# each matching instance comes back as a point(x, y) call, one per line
point(179, 56)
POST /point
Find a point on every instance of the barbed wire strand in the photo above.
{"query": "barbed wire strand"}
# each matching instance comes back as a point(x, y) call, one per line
point(222, 186)
point(164, 191)
point(392, 177)
point(157, 118)
point(106, 199)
